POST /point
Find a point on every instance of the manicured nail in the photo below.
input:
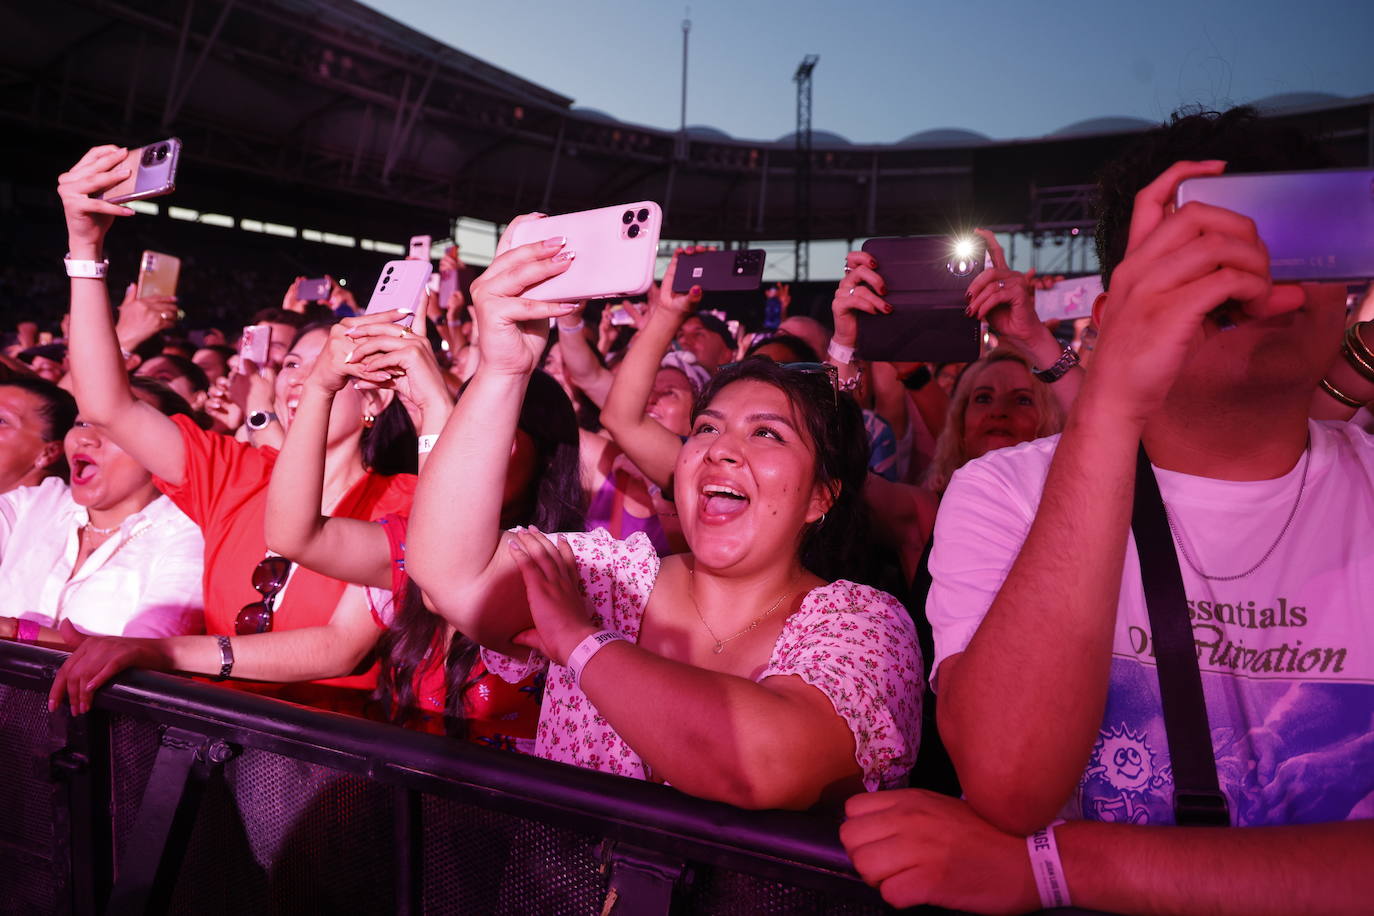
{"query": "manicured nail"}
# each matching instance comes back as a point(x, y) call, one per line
point(558, 241)
point(887, 308)
point(567, 308)
point(696, 291)
point(349, 357)
point(563, 256)
point(968, 297)
point(540, 215)
point(515, 546)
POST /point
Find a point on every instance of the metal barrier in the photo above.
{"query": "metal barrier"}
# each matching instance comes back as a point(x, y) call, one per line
point(173, 795)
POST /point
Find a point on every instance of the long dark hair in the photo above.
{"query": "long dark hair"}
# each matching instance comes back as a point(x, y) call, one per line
point(835, 546)
point(557, 503)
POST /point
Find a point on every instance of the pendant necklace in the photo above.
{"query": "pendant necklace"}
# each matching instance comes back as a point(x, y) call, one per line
point(720, 643)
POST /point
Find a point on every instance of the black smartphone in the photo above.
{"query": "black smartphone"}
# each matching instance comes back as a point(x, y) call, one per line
point(315, 289)
point(719, 271)
point(1317, 226)
point(926, 277)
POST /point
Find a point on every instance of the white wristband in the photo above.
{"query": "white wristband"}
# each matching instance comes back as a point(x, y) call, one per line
point(90, 270)
point(840, 353)
point(586, 649)
point(571, 328)
point(427, 443)
point(1048, 870)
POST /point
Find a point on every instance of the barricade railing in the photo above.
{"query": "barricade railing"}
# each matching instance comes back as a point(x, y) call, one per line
point(175, 795)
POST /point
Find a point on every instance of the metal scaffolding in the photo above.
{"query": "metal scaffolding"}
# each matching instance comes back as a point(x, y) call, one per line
point(802, 173)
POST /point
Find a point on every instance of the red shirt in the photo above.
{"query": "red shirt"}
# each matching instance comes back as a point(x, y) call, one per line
point(225, 493)
point(499, 714)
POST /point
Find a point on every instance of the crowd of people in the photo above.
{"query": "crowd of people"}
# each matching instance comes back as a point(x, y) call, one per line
point(748, 564)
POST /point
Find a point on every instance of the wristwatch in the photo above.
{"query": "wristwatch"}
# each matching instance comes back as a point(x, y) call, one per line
point(258, 419)
point(1066, 361)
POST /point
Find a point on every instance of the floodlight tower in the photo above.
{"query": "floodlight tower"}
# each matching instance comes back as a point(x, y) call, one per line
point(802, 245)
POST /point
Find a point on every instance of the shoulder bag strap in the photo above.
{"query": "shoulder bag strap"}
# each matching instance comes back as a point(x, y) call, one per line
point(1198, 800)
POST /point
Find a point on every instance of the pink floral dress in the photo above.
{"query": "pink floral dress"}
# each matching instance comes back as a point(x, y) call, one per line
point(855, 644)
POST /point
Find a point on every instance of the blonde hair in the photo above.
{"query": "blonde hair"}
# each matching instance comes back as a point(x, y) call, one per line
point(949, 447)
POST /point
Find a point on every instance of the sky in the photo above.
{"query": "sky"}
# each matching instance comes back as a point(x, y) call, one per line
point(891, 68)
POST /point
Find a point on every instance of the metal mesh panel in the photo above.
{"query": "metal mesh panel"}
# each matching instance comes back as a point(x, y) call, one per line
point(478, 861)
point(27, 882)
point(133, 747)
point(717, 892)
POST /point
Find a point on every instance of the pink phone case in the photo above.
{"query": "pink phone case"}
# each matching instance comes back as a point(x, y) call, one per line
point(401, 286)
point(255, 343)
point(616, 250)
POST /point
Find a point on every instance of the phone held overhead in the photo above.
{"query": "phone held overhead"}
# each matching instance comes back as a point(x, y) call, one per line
point(926, 277)
point(401, 285)
point(1318, 226)
point(720, 271)
point(615, 247)
point(152, 172)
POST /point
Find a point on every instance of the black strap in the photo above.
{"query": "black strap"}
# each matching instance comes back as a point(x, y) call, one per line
point(1198, 800)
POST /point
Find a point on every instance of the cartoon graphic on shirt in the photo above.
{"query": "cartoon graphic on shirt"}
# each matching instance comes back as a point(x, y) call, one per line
point(1121, 771)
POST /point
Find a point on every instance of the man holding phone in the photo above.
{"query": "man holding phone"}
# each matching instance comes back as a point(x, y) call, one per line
point(1049, 694)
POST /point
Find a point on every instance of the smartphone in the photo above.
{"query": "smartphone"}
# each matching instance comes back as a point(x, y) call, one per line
point(157, 275)
point(419, 247)
point(926, 279)
point(620, 315)
point(720, 271)
point(401, 285)
point(255, 344)
point(315, 289)
point(153, 172)
point(1068, 298)
point(1317, 225)
point(616, 248)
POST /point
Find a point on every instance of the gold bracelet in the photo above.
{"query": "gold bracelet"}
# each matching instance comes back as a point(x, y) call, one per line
point(1341, 396)
point(1356, 353)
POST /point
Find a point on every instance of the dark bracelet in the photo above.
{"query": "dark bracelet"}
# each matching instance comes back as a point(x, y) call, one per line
point(1066, 361)
point(226, 657)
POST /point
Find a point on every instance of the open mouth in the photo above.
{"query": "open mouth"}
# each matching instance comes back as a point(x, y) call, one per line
point(722, 500)
point(84, 470)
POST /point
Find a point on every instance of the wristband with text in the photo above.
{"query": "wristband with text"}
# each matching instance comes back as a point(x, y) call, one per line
point(588, 647)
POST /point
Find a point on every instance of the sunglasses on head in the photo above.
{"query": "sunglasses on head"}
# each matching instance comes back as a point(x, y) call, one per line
point(269, 578)
point(828, 371)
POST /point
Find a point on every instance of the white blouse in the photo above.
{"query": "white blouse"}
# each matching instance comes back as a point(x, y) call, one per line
point(144, 581)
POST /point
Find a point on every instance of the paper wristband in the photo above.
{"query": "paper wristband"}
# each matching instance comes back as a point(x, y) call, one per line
point(840, 353)
point(25, 631)
point(1048, 871)
point(427, 443)
point(586, 649)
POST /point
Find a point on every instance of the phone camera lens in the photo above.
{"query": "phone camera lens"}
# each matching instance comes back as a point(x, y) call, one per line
point(643, 216)
point(627, 217)
point(390, 270)
point(633, 231)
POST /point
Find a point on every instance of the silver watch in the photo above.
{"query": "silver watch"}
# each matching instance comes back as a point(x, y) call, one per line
point(258, 419)
point(1066, 361)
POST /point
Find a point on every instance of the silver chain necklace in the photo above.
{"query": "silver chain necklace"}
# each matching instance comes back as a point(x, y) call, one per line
point(1302, 485)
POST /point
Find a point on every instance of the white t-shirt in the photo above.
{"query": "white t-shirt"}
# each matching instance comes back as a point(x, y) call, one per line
point(1286, 653)
point(145, 580)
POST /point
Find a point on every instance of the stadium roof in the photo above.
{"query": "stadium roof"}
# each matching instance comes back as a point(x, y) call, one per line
point(332, 114)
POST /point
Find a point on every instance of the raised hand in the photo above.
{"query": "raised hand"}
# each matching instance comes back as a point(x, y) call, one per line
point(861, 290)
point(513, 331)
point(1003, 297)
point(88, 219)
point(140, 319)
point(388, 355)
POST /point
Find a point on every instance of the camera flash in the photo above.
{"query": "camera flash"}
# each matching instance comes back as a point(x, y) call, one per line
point(963, 249)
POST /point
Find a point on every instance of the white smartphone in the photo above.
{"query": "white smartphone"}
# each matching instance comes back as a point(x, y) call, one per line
point(616, 248)
point(255, 344)
point(401, 285)
point(419, 247)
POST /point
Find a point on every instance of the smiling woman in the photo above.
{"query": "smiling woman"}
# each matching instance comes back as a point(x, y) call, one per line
point(735, 671)
point(109, 554)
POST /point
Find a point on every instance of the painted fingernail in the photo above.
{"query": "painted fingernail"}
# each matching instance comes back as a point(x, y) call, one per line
point(564, 256)
point(515, 545)
point(887, 308)
point(567, 308)
point(349, 357)
point(968, 297)
point(558, 241)
point(696, 291)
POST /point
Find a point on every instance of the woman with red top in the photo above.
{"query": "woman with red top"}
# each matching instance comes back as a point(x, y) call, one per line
point(221, 484)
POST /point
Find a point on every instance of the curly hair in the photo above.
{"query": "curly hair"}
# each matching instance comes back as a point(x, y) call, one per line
point(1239, 136)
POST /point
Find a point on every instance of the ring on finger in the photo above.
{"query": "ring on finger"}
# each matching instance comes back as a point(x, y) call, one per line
point(1001, 284)
point(851, 290)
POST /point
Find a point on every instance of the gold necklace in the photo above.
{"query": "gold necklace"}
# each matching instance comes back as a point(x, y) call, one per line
point(720, 643)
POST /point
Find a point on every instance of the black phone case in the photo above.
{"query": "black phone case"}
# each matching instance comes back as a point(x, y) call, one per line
point(720, 271)
point(927, 323)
